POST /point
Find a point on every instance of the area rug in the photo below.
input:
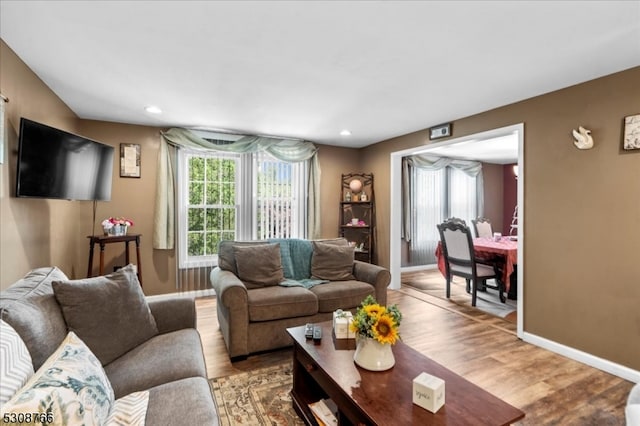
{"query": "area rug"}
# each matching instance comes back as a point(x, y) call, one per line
point(433, 283)
point(257, 397)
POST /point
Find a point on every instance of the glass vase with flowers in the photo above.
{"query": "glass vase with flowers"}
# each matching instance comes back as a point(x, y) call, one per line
point(116, 226)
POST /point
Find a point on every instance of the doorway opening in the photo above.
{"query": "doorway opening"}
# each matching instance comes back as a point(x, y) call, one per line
point(482, 146)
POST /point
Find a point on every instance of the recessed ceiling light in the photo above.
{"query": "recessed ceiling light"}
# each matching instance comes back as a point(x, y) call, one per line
point(153, 109)
point(345, 132)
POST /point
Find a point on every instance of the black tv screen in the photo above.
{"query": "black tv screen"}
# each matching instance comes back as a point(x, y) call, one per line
point(53, 163)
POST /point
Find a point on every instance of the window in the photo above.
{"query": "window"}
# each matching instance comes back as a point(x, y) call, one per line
point(463, 195)
point(211, 202)
point(279, 207)
point(436, 196)
point(229, 196)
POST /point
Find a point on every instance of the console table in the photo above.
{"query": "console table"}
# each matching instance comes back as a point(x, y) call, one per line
point(108, 239)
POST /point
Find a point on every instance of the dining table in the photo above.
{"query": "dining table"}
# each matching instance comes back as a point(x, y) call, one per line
point(505, 247)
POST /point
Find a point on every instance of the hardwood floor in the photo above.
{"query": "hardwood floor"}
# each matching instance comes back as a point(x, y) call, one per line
point(549, 388)
point(432, 282)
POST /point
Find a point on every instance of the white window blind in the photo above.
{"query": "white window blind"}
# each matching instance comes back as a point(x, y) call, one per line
point(462, 195)
point(278, 207)
point(436, 196)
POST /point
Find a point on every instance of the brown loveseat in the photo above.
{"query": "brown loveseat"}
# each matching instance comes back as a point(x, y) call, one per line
point(144, 345)
point(264, 287)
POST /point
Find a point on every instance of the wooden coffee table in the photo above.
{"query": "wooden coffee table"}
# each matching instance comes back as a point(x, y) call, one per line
point(385, 398)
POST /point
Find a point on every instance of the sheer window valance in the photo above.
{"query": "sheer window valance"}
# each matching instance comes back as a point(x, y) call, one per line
point(471, 168)
point(282, 149)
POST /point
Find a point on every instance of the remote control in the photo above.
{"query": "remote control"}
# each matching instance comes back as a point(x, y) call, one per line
point(308, 331)
point(317, 334)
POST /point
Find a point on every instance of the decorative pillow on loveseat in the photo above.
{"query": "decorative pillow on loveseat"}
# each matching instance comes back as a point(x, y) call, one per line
point(33, 312)
point(111, 305)
point(331, 261)
point(70, 388)
point(226, 258)
point(259, 265)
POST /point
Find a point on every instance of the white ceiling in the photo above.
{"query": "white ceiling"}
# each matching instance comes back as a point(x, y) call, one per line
point(310, 69)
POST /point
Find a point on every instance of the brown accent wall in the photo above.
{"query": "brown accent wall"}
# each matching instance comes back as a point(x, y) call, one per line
point(133, 198)
point(334, 161)
point(493, 193)
point(33, 232)
point(582, 212)
point(42, 232)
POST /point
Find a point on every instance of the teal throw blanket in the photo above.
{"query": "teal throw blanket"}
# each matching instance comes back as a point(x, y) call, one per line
point(296, 262)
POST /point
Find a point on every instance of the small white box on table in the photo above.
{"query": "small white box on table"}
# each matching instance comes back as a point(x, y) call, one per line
point(341, 321)
point(428, 392)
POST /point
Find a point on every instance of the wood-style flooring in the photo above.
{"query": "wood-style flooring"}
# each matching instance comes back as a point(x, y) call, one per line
point(549, 388)
point(432, 282)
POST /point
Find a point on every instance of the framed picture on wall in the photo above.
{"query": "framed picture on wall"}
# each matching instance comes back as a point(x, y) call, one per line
point(631, 138)
point(130, 160)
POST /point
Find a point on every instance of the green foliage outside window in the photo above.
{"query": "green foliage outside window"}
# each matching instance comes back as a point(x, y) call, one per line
point(211, 210)
point(212, 198)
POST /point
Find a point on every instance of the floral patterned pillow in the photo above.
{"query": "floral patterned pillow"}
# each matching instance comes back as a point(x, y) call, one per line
point(71, 387)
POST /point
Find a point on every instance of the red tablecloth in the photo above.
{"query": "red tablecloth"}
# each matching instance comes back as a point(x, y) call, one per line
point(486, 246)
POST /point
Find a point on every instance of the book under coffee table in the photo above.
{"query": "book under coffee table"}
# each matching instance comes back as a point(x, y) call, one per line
point(385, 397)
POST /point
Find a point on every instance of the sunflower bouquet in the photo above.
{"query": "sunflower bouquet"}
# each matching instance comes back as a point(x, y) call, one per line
point(376, 321)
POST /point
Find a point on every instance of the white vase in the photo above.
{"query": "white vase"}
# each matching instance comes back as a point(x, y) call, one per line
point(373, 355)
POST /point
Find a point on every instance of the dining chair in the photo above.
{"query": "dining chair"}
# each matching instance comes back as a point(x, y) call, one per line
point(482, 227)
point(456, 220)
point(457, 248)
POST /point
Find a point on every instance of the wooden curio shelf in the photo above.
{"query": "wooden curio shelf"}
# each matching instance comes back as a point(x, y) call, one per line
point(354, 188)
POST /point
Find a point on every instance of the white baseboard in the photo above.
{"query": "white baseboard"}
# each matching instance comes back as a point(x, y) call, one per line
point(583, 357)
point(418, 268)
point(201, 293)
point(193, 293)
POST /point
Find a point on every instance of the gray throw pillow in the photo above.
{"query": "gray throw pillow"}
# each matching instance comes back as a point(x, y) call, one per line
point(226, 258)
point(340, 241)
point(332, 262)
point(259, 265)
point(109, 313)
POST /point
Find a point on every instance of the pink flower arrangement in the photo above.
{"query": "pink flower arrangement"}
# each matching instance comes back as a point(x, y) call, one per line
point(113, 221)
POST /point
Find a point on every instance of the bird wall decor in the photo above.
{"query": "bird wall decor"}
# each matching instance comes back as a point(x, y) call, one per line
point(583, 139)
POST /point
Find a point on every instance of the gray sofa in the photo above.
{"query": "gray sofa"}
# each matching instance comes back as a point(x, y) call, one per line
point(170, 364)
point(254, 315)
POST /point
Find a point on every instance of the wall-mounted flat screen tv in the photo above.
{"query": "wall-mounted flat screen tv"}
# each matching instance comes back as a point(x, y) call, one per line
point(53, 163)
